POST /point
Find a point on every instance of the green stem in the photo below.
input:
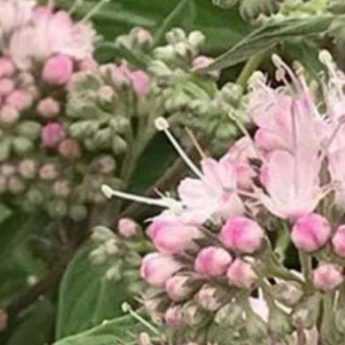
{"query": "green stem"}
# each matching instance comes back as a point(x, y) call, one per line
point(306, 266)
point(252, 64)
point(282, 244)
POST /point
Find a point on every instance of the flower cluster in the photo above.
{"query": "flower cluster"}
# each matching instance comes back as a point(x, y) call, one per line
point(218, 272)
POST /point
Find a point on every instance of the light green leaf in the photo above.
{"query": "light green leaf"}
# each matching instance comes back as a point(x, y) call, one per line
point(86, 297)
point(125, 328)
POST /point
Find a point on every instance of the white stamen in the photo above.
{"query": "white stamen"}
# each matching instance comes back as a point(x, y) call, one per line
point(94, 10)
point(164, 202)
point(163, 125)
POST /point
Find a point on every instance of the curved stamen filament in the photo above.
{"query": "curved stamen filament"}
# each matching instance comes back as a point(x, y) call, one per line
point(163, 125)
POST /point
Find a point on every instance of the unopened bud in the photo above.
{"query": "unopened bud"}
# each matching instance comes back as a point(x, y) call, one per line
point(78, 212)
point(119, 145)
point(8, 169)
point(57, 208)
point(27, 168)
point(327, 277)
point(101, 234)
point(241, 274)
point(144, 339)
point(52, 134)
point(226, 4)
point(7, 68)
point(192, 314)
point(179, 287)
point(29, 129)
point(279, 323)
point(106, 94)
point(231, 314)
point(128, 228)
point(8, 115)
point(115, 272)
point(256, 328)
point(69, 149)
point(174, 316)
point(22, 145)
point(62, 188)
point(20, 100)
point(210, 298)
point(111, 247)
point(48, 172)
point(15, 185)
point(196, 38)
point(6, 86)
point(104, 164)
point(307, 312)
point(58, 70)
point(48, 108)
point(288, 293)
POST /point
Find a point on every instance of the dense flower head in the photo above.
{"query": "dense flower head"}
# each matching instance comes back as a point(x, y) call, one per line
point(227, 230)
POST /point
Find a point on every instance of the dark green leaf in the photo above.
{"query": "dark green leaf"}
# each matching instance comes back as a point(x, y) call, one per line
point(86, 297)
point(270, 35)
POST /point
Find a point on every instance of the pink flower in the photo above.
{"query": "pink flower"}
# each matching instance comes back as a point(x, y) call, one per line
point(214, 194)
point(52, 134)
point(170, 235)
point(7, 67)
point(240, 154)
point(19, 99)
point(174, 316)
point(241, 274)
point(338, 241)
point(58, 70)
point(128, 227)
point(6, 86)
point(311, 232)
point(157, 268)
point(242, 234)
point(327, 277)
point(292, 184)
point(212, 261)
point(51, 33)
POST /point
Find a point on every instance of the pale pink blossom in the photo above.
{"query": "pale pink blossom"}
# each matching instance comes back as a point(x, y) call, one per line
point(212, 261)
point(7, 67)
point(20, 99)
point(157, 268)
point(213, 194)
point(292, 184)
point(242, 234)
point(311, 232)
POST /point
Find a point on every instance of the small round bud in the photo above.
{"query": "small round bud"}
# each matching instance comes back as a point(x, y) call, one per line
point(327, 277)
point(288, 293)
point(52, 134)
point(8, 115)
point(241, 274)
point(173, 316)
point(48, 107)
point(6, 86)
point(128, 227)
point(62, 188)
point(210, 298)
point(192, 314)
point(19, 99)
point(8, 170)
point(27, 168)
point(58, 70)
point(105, 165)
point(144, 339)
point(48, 172)
point(212, 261)
point(179, 287)
point(57, 208)
point(22, 146)
point(142, 37)
point(106, 94)
point(157, 268)
point(78, 212)
point(338, 241)
point(141, 83)
point(311, 232)
point(196, 38)
point(242, 234)
point(231, 314)
point(69, 149)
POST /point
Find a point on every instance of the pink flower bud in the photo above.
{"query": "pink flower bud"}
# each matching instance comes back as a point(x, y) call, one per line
point(209, 298)
point(128, 227)
point(178, 287)
point(8, 115)
point(7, 68)
point(8, 169)
point(242, 234)
point(52, 134)
point(58, 70)
point(142, 36)
point(19, 99)
point(171, 236)
point(70, 149)
point(212, 261)
point(241, 274)
point(174, 316)
point(338, 241)
point(327, 277)
point(311, 232)
point(201, 62)
point(157, 268)
point(48, 172)
point(6, 86)
point(141, 83)
point(62, 188)
point(48, 107)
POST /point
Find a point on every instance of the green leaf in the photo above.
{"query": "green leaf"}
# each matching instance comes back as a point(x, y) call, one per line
point(109, 333)
point(37, 326)
point(270, 35)
point(5, 212)
point(86, 297)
